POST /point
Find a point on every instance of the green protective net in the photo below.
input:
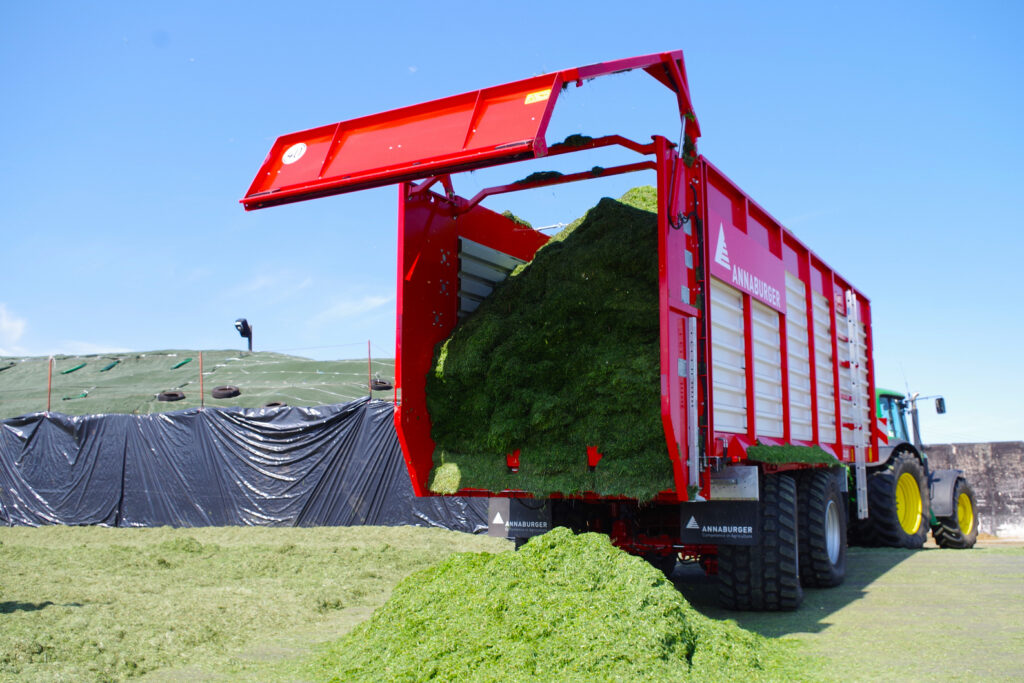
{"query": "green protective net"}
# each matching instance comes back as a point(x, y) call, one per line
point(564, 354)
point(562, 608)
point(130, 382)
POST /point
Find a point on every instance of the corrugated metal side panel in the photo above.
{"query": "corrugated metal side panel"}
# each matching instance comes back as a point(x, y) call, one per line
point(480, 270)
point(846, 387)
point(798, 358)
point(823, 368)
point(767, 370)
point(728, 365)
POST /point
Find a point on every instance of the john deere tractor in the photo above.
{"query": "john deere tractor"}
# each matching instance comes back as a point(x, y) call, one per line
point(906, 497)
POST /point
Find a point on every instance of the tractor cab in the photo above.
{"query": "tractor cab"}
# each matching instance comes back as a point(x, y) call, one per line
point(891, 410)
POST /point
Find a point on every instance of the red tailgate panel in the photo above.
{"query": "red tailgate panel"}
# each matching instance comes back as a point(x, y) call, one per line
point(472, 130)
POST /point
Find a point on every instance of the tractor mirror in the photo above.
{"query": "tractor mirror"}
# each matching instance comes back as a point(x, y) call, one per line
point(940, 405)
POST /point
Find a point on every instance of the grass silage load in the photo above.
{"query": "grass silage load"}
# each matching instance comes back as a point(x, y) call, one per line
point(564, 354)
point(562, 608)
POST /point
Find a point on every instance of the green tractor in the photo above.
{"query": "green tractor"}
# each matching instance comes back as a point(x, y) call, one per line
point(906, 497)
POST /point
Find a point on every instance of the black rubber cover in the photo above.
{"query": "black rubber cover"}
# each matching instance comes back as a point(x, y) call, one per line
point(337, 465)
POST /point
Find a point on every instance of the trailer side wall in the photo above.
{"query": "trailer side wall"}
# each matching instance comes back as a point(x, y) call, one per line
point(790, 360)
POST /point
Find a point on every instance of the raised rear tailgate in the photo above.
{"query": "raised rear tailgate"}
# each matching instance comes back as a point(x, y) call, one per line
point(475, 129)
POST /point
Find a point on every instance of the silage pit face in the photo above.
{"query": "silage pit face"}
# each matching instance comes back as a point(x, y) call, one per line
point(563, 355)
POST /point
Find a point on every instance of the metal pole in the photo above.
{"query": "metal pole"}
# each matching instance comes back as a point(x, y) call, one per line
point(49, 382)
point(202, 395)
point(250, 338)
point(915, 423)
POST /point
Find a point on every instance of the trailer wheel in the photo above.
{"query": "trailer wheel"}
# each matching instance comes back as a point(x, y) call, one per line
point(822, 529)
point(898, 506)
point(959, 530)
point(664, 563)
point(765, 576)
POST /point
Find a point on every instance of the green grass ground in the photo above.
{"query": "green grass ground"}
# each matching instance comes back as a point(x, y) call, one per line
point(90, 603)
point(225, 604)
point(132, 384)
point(926, 615)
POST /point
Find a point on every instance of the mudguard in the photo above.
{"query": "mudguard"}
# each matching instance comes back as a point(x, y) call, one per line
point(885, 452)
point(941, 484)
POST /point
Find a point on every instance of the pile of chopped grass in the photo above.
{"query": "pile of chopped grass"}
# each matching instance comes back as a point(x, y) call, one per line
point(563, 608)
point(563, 355)
point(539, 176)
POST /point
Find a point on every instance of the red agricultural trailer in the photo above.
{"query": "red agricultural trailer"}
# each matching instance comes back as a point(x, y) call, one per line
point(767, 383)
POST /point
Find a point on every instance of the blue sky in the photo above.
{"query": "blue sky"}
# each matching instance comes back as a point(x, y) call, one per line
point(887, 136)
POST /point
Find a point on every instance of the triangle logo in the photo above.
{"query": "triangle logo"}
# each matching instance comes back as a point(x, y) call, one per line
point(692, 524)
point(721, 252)
point(498, 519)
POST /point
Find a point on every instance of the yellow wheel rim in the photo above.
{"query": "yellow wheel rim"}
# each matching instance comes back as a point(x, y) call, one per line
point(908, 503)
point(964, 513)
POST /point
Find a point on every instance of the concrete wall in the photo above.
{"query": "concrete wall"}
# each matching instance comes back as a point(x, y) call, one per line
point(996, 471)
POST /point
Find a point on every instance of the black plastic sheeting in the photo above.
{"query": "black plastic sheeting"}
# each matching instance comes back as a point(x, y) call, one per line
point(338, 465)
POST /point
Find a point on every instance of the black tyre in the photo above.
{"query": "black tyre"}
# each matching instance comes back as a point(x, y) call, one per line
point(226, 392)
point(170, 396)
point(959, 530)
point(822, 528)
point(765, 576)
point(666, 564)
point(898, 506)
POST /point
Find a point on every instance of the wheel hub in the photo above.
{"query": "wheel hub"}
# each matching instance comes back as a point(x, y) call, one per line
point(964, 513)
point(833, 536)
point(908, 503)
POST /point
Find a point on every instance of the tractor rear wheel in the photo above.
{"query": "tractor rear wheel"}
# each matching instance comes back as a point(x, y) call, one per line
point(898, 506)
point(765, 576)
point(822, 530)
point(959, 530)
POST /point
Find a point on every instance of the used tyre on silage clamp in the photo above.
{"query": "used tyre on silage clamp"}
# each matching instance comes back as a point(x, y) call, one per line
point(170, 396)
point(226, 392)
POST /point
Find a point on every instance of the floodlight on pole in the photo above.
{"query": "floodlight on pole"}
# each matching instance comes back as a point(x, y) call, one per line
point(245, 330)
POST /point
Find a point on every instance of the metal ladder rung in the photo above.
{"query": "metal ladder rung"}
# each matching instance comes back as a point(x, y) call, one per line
point(857, 427)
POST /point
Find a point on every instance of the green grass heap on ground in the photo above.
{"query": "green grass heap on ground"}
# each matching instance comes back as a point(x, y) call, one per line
point(563, 355)
point(562, 608)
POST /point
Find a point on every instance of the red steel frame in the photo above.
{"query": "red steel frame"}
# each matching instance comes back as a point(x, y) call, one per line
point(473, 130)
point(731, 445)
point(430, 226)
point(507, 123)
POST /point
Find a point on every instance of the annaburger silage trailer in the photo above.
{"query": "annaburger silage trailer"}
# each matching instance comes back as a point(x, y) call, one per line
point(767, 382)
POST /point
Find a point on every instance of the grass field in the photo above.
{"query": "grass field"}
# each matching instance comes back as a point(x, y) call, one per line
point(925, 615)
point(86, 603)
